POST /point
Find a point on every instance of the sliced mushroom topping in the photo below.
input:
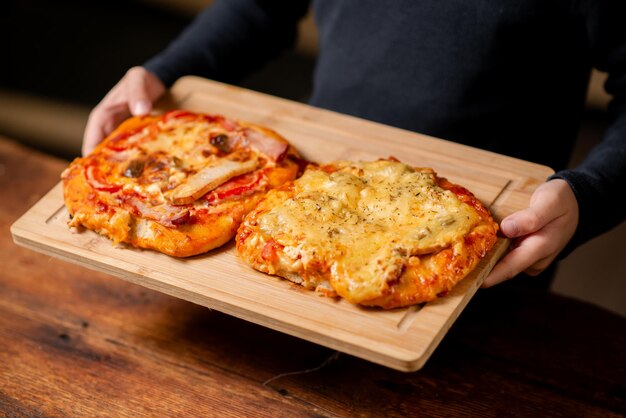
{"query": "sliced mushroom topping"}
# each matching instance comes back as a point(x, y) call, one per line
point(134, 168)
point(446, 221)
point(221, 143)
point(178, 162)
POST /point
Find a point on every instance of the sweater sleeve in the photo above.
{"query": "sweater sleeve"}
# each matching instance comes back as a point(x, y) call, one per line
point(230, 39)
point(599, 181)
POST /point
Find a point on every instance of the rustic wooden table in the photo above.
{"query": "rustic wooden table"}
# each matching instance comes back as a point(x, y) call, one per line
point(78, 343)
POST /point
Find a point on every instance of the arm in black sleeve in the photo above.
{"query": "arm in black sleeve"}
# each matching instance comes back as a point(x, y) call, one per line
point(599, 182)
point(230, 39)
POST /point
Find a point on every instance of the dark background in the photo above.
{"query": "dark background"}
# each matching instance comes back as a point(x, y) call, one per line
point(76, 50)
point(73, 52)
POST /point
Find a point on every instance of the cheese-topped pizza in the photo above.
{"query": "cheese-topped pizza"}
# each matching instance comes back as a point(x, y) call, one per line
point(179, 183)
point(375, 233)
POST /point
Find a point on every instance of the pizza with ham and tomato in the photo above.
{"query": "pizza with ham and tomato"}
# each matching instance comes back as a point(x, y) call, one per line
point(376, 233)
point(179, 183)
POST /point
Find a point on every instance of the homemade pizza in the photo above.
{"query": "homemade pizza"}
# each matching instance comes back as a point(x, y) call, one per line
point(376, 233)
point(179, 183)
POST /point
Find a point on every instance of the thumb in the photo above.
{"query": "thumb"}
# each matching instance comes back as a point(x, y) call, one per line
point(523, 223)
point(545, 206)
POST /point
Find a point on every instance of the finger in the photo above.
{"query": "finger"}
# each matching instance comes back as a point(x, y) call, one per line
point(94, 132)
point(544, 208)
point(102, 121)
point(529, 252)
point(137, 93)
point(524, 222)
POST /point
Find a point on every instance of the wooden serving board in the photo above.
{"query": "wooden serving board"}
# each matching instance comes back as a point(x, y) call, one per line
point(401, 338)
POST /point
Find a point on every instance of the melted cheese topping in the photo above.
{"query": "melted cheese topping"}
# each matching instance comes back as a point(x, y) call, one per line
point(369, 218)
point(182, 140)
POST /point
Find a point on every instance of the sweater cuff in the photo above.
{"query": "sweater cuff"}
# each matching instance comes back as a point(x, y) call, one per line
point(583, 191)
point(158, 66)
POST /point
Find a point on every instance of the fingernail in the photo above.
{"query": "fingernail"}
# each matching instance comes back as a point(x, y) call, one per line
point(510, 228)
point(140, 107)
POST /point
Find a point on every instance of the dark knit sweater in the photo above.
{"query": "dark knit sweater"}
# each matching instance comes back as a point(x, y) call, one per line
point(509, 76)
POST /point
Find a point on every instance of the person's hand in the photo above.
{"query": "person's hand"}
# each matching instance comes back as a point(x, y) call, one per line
point(132, 95)
point(540, 231)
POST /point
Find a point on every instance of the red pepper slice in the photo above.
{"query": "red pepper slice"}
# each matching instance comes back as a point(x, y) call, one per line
point(227, 124)
point(236, 186)
point(118, 142)
point(97, 180)
point(179, 114)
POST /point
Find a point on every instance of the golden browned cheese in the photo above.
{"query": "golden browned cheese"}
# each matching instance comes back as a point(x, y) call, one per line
point(178, 183)
point(358, 228)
